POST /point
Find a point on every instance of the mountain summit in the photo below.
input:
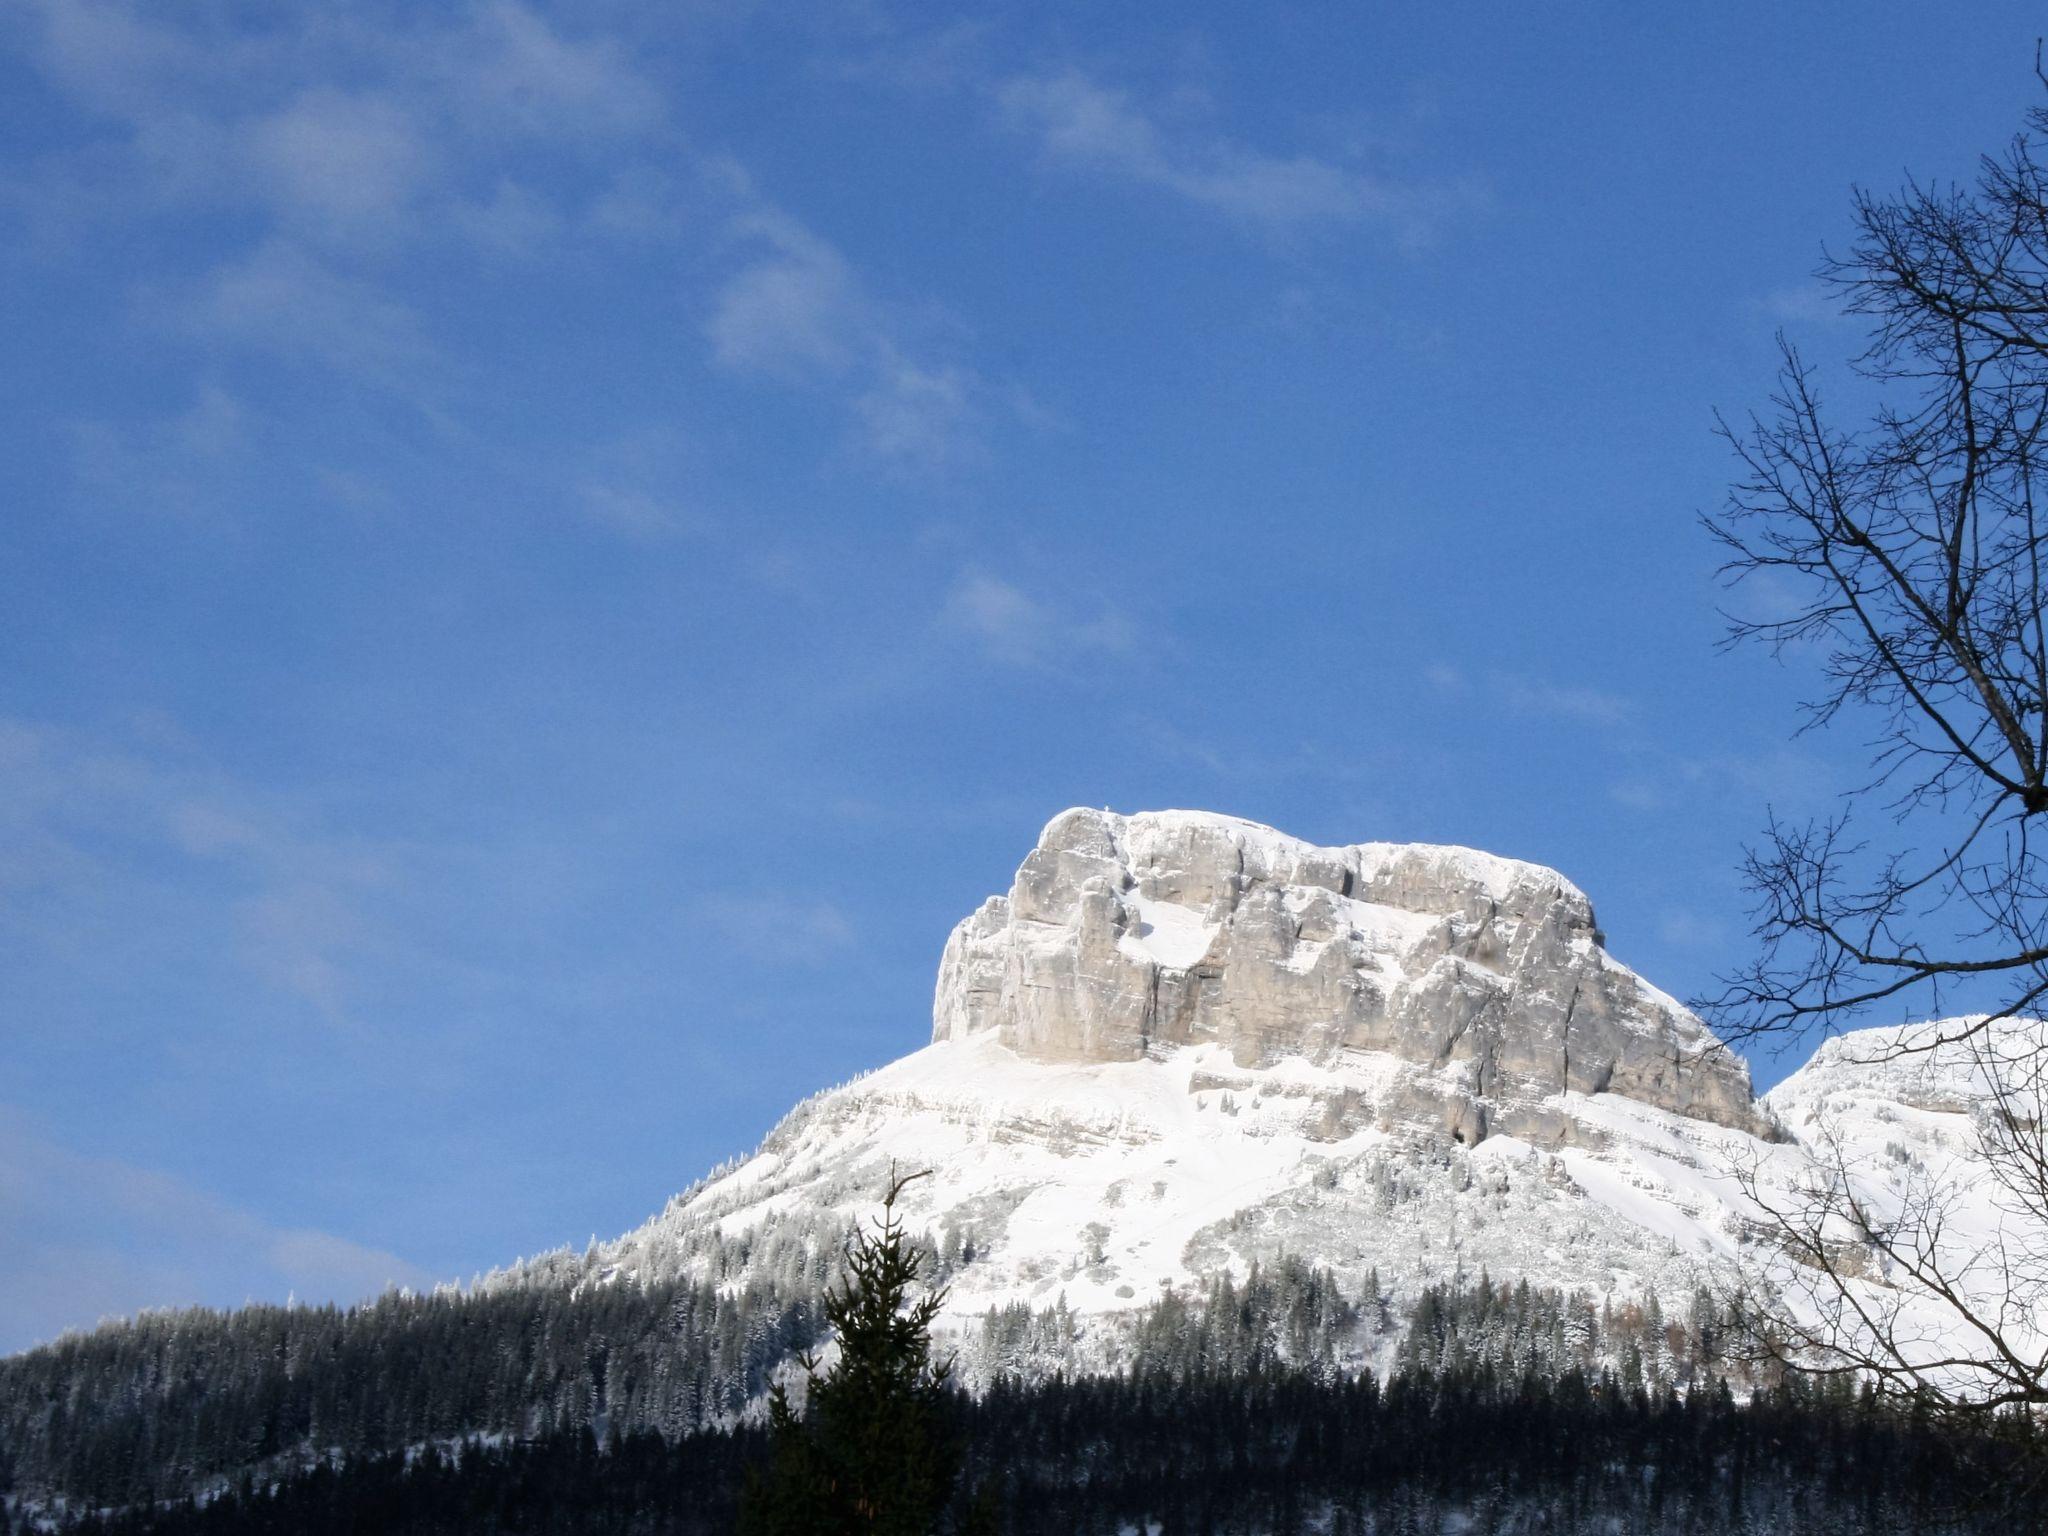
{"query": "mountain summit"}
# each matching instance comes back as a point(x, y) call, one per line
point(1483, 981)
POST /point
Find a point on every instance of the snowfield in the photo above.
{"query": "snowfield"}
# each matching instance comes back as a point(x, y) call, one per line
point(1100, 1186)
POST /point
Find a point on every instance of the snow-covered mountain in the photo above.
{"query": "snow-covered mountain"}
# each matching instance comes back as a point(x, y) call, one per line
point(1183, 1043)
point(1180, 1048)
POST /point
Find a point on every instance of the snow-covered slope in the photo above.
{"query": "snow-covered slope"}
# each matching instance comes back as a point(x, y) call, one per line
point(1107, 1183)
point(1183, 1044)
point(1933, 1133)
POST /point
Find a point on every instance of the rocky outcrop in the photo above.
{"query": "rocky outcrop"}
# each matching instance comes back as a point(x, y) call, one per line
point(1124, 936)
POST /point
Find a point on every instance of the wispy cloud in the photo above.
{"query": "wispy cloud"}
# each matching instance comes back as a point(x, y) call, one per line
point(512, 69)
point(284, 300)
point(780, 930)
point(338, 129)
point(1638, 794)
point(1786, 778)
point(169, 464)
point(345, 160)
point(1079, 123)
point(919, 413)
point(1560, 701)
point(795, 311)
point(118, 58)
point(1356, 173)
point(1014, 627)
point(103, 840)
point(510, 221)
point(84, 1238)
point(639, 485)
point(1811, 304)
point(1538, 697)
point(342, 146)
point(1236, 762)
point(1683, 928)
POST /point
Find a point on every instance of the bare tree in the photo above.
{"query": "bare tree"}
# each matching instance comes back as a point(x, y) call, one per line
point(1905, 554)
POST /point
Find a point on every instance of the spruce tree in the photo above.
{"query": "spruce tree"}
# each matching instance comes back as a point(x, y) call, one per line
point(873, 1453)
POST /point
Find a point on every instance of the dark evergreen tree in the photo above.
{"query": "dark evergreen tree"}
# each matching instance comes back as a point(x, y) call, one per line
point(875, 1452)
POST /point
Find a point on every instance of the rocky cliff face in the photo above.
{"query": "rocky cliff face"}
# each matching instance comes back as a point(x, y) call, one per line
point(1123, 936)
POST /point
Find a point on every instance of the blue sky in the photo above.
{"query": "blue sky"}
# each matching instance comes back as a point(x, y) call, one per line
point(547, 554)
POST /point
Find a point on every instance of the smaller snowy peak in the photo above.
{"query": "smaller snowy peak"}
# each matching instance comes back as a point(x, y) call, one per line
point(1945, 1066)
point(1123, 937)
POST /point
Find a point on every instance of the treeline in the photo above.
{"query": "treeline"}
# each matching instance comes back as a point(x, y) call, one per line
point(1278, 1454)
point(178, 1402)
point(170, 1402)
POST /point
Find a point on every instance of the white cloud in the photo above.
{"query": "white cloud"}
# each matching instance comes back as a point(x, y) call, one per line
point(114, 56)
point(797, 312)
point(1012, 626)
point(780, 930)
point(1260, 764)
point(329, 119)
point(107, 845)
point(282, 299)
point(631, 511)
point(1637, 795)
point(1523, 694)
point(1683, 928)
point(516, 69)
point(1080, 123)
point(1785, 778)
point(640, 485)
point(300, 935)
point(1772, 775)
point(170, 464)
point(794, 312)
point(216, 423)
point(84, 1238)
point(512, 220)
point(350, 162)
point(1805, 304)
point(1560, 701)
point(1078, 120)
point(339, 135)
point(346, 144)
point(638, 203)
point(918, 415)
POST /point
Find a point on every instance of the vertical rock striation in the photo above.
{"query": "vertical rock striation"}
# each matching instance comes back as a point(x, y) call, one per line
point(1124, 936)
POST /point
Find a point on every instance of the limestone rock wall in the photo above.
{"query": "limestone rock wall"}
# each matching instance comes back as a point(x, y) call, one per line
point(1124, 935)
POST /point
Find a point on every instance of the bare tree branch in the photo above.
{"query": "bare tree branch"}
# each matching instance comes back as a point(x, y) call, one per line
point(1903, 555)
